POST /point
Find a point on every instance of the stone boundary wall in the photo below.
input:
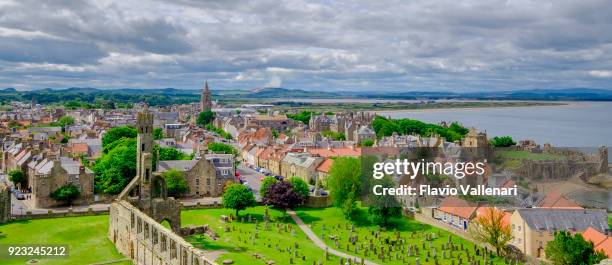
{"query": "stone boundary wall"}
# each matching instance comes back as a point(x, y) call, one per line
point(58, 214)
point(89, 212)
point(147, 242)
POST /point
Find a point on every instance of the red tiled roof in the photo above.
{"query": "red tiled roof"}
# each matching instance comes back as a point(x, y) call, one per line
point(483, 210)
point(457, 207)
point(326, 165)
point(335, 152)
point(600, 240)
point(557, 200)
point(606, 247)
point(79, 148)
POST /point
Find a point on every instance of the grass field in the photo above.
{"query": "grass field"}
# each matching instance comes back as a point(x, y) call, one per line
point(336, 225)
point(238, 245)
point(610, 220)
point(528, 155)
point(86, 238)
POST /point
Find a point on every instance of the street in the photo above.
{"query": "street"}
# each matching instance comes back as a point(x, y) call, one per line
point(251, 177)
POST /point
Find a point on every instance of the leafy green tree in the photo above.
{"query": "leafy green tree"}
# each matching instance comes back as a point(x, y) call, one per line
point(117, 133)
point(344, 182)
point(18, 178)
point(66, 194)
point(300, 186)
point(502, 141)
point(382, 208)
point(205, 117)
point(219, 131)
point(115, 169)
point(386, 127)
point(170, 153)
point(158, 133)
point(568, 249)
point(176, 183)
point(303, 116)
point(66, 121)
point(367, 143)
point(337, 136)
point(238, 197)
point(267, 181)
point(222, 148)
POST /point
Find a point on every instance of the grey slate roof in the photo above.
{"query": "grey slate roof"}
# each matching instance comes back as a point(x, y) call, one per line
point(552, 220)
point(180, 165)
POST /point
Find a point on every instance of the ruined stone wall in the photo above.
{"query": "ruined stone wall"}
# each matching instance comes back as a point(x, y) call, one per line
point(5, 203)
point(147, 242)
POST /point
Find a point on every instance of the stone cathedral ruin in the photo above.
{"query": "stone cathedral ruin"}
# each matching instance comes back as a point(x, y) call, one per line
point(136, 215)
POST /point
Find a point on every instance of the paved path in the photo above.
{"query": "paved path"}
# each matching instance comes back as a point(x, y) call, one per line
point(320, 243)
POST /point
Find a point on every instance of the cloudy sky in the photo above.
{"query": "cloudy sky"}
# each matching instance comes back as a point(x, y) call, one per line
point(320, 45)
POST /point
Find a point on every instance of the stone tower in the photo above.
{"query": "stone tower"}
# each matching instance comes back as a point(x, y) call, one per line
point(151, 195)
point(144, 157)
point(206, 99)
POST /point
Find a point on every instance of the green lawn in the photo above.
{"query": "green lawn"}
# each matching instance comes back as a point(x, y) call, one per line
point(86, 238)
point(337, 225)
point(610, 220)
point(528, 155)
point(238, 245)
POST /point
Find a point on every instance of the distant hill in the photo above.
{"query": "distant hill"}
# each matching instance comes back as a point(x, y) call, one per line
point(172, 95)
point(278, 92)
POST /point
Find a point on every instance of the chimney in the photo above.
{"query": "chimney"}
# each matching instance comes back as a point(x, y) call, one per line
point(81, 170)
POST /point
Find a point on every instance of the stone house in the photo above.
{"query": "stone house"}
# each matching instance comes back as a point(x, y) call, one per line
point(364, 133)
point(205, 177)
point(302, 165)
point(532, 228)
point(46, 175)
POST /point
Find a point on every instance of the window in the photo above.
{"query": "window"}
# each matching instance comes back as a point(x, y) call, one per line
point(197, 181)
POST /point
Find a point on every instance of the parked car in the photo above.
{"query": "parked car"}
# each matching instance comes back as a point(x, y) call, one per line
point(20, 196)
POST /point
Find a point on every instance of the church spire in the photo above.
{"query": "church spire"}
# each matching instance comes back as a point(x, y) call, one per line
point(206, 99)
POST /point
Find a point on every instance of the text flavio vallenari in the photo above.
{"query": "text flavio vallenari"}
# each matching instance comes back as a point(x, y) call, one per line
point(421, 167)
point(428, 190)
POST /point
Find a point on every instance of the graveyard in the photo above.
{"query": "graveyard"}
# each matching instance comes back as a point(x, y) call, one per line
point(86, 238)
point(247, 241)
point(406, 242)
point(409, 240)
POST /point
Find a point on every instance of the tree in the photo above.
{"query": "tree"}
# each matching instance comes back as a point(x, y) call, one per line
point(238, 197)
point(205, 117)
point(345, 183)
point(300, 186)
point(114, 170)
point(489, 228)
point(282, 196)
point(176, 183)
point(18, 178)
point(568, 249)
point(170, 153)
point(384, 207)
point(367, 143)
point(502, 141)
point(265, 184)
point(116, 134)
point(66, 194)
point(158, 133)
point(65, 121)
point(222, 148)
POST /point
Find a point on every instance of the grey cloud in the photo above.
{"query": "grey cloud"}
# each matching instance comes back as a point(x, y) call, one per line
point(399, 45)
